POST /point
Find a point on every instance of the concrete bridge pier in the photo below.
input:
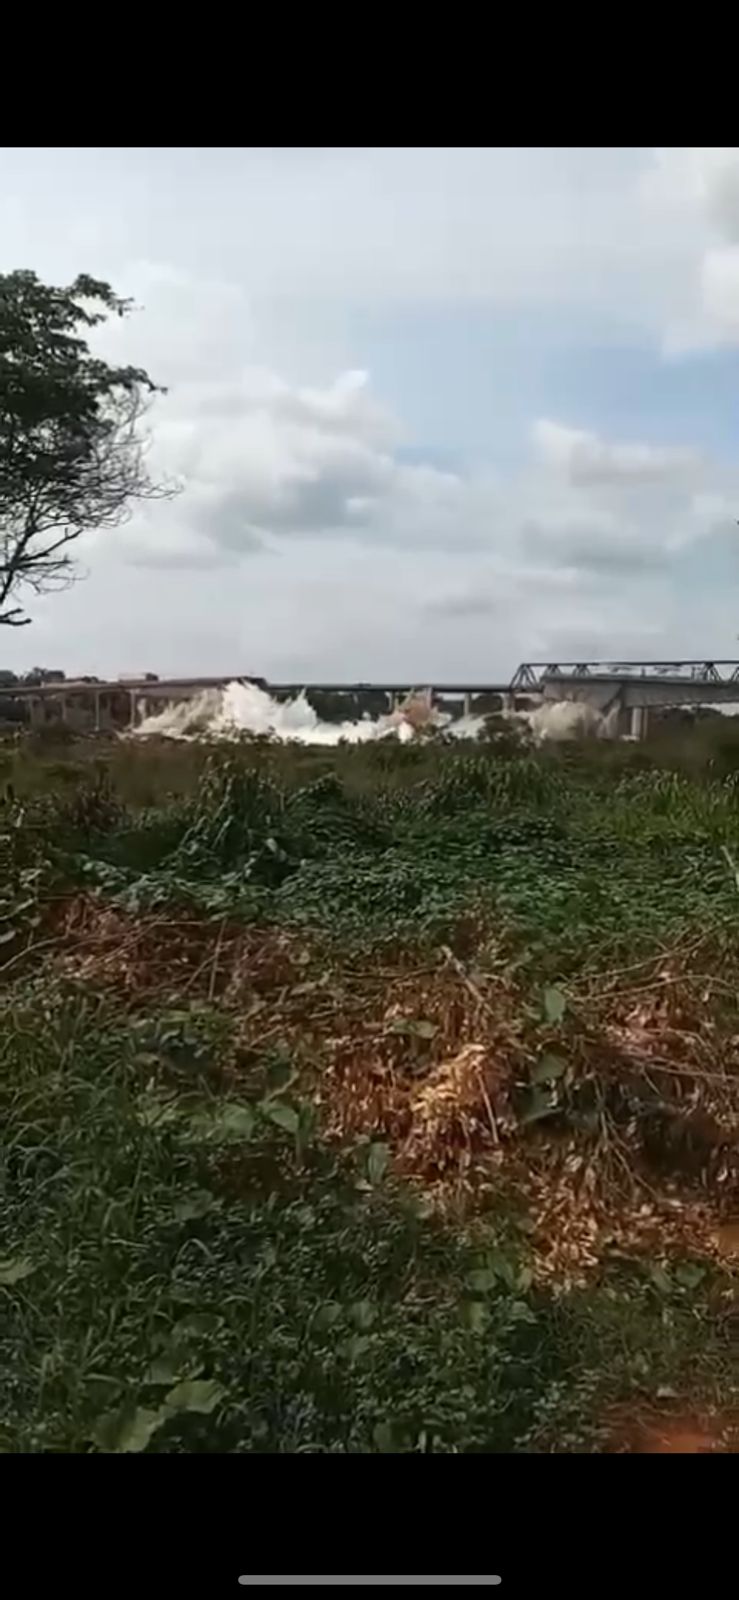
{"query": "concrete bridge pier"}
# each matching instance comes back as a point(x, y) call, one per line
point(639, 722)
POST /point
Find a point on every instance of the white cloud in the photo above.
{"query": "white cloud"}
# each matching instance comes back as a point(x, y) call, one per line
point(304, 544)
point(260, 458)
point(361, 227)
point(616, 232)
point(307, 539)
point(268, 463)
point(713, 509)
point(588, 460)
point(720, 291)
point(692, 194)
point(693, 178)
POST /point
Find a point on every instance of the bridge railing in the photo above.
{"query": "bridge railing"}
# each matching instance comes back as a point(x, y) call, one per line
point(532, 674)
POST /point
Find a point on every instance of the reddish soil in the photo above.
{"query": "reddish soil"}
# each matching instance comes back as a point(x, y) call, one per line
point(677, 1433)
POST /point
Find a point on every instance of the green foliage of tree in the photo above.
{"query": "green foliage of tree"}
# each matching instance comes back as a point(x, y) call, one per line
point(72, 452)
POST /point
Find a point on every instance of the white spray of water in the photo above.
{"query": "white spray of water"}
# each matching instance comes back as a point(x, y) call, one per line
point(563, 720)
point(244, 708)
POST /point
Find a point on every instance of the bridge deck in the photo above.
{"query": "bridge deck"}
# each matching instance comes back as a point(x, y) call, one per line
point(711, 678)
point(158, 686)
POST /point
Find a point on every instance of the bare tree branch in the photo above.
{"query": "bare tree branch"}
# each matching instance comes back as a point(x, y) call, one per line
point(14, 618)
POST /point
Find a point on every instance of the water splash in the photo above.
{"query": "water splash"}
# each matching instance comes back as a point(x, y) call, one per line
point(244, 708)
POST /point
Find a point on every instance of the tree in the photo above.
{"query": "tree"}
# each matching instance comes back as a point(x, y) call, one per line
point(72, 453)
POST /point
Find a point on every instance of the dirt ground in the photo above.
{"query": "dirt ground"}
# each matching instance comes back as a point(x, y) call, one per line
point(674, 1433)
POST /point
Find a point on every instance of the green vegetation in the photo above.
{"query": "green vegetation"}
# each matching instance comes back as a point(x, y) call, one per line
point(250, 1200)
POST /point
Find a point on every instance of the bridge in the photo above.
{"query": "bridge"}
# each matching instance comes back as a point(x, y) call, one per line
point(98, 704)
point(533, 674)
point(633, 687)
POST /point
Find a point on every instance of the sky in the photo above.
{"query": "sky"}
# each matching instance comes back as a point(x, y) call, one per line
point(433, 412)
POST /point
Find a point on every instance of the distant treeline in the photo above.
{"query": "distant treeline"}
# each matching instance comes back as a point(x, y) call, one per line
point(15, 711)
point(31, 680)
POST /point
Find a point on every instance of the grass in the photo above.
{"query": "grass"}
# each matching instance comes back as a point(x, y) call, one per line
point(352, 1100)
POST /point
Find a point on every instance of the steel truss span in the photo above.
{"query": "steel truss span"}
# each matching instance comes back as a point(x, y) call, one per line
point(532, 674)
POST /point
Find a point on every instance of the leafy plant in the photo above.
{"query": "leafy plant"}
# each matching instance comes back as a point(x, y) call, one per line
point(71, 453)
point(191, 1260)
